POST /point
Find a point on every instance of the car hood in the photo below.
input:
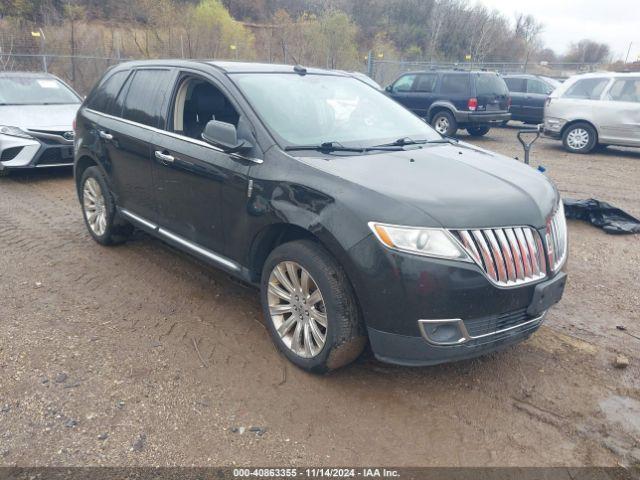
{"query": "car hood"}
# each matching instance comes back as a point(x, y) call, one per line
point(39, 117)
point(458, 186)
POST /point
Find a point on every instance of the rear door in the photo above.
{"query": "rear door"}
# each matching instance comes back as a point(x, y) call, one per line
point(491, 91)
point(537, 93)
point(423, 93)
point(129, 139)
point(517, 90)
point(620, 112)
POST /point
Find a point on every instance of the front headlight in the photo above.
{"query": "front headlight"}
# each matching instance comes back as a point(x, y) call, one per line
point(14, 132)
point(431, 242)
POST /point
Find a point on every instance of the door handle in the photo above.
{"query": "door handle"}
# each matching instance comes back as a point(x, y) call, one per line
point(105, 135)
point(164, 157)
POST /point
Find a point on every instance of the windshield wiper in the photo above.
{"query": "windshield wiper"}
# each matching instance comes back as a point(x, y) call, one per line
point(325, 147)
point(401, 142)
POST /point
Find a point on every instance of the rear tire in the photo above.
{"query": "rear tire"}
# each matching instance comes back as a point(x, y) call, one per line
point(99, 210)
point(444, 123)
point(580, 138)
point(478, 131)
point(310, 308)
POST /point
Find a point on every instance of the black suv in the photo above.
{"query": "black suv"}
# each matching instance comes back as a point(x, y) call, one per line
point(357, 221)
point(528, 96)
point(454, 99)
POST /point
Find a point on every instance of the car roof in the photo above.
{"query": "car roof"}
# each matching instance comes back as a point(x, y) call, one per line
point(606, 74)
point(449, 70)
point(230, 66)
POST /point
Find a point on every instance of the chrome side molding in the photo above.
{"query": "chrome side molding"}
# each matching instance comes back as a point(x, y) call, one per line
point(193, 247)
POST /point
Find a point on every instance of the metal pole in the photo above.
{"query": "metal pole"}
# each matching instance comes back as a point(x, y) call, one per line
point(370, 64)
point(43, 50)
point(628, 51)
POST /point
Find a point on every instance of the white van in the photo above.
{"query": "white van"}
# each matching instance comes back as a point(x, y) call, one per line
point(595, 109)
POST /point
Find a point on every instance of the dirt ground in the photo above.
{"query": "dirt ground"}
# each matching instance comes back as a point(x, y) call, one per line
point(141, 355)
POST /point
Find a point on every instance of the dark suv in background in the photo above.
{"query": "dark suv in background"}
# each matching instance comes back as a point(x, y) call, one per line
point(528, 94)
point(454, 99)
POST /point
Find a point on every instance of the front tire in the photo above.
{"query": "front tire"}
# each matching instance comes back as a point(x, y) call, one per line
point(310, 307)
point(478, 131)
point(580, 138)
point(444, 123)
point(99, 209)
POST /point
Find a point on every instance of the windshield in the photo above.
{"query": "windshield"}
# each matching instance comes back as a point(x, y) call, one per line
point(490, 84)
point(314, 109)
point(21, 90)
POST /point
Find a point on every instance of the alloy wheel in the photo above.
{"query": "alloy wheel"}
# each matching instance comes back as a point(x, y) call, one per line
point(94, 206)
point(578, 138)
point(442, 125)
point(297, 309)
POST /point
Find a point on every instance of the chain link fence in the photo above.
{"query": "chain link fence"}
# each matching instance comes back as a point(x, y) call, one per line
point(386, 71)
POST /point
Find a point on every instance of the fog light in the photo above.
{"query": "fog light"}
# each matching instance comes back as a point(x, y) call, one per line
point(443, 332)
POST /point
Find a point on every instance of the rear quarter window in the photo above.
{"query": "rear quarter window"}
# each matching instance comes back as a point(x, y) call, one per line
point(587, 88)
point(455, 83)
point(146, 95)
point(102, 98)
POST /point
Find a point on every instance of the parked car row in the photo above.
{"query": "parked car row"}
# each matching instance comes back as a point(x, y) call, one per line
point(584, 111)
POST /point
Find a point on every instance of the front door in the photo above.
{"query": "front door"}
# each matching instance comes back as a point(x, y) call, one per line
point(197, 184)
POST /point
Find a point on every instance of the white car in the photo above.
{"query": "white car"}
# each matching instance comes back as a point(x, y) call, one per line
point(595, 109)
point(36, 117)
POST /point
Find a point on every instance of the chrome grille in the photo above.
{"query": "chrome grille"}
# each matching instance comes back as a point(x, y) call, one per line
point(509, 256)
point(556, 238)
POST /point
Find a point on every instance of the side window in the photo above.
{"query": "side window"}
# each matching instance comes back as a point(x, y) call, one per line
point(536, 86)
point(197, 102)
point(515, 84)
point(102, 98)
point(404, 84)
point(426, 83)
point(587, 88)
point(627, 90)
point(455, 83)
point(145, 96)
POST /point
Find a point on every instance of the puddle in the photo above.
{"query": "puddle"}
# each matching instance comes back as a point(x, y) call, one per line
point(624, 411)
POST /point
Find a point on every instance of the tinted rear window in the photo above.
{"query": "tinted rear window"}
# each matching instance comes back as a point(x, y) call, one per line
point(490, 84)
point(456, 83)
point(145, 96)
point(102, 98)
point(515, 84)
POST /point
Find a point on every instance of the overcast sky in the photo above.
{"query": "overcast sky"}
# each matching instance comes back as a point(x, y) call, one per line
point(616, 22)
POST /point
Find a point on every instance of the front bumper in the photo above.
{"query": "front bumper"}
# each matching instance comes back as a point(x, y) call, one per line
point(403, 297)
point(551, 134)
point(482, 118)
point(44, 150)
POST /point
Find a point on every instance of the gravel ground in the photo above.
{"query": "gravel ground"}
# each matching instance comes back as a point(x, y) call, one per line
point(141, 355)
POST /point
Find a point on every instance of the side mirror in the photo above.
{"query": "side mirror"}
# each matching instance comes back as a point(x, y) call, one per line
point(225, 136)
point(388, 88)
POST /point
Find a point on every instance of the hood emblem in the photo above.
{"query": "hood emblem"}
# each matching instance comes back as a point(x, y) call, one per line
point(69, 135)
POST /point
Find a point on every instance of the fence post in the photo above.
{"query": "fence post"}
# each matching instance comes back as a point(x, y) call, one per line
point(43, 47)
point(370, 64)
